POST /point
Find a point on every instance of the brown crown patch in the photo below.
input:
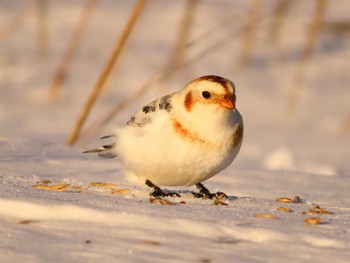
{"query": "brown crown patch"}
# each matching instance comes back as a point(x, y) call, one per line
point(237, 136)
point(225, 83)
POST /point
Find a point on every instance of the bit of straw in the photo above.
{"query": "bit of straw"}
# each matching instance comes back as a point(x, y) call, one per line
point(103, 76)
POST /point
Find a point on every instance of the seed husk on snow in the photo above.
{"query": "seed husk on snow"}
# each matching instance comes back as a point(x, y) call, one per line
point(25, 222)
point(284, 200)
point(297, 200)
point(57, 187)
point(120, 191)
point(159, 200)
point(284, 209)
point(317, 210)
point(265, 216)
point(150, 242)
point(219, 202)
point(313, 220)
point(45, 181)
point(104, 185)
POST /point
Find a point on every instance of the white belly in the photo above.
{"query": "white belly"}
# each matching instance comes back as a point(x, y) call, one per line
point(167, 159)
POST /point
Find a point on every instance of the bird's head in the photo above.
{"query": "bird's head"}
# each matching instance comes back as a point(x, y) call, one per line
point(209, 93)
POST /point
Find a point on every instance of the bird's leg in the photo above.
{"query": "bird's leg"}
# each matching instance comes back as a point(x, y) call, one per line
point(157, 192)
point(205, 193)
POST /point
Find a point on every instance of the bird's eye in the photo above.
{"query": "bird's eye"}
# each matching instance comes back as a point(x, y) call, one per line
point(206, 94)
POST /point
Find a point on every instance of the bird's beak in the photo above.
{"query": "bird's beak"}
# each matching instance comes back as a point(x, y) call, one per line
point(227, 103)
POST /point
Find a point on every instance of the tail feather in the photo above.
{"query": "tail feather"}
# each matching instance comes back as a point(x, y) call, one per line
point(105, 151)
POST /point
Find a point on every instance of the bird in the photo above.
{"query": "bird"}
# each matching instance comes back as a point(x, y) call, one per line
point(181, 139)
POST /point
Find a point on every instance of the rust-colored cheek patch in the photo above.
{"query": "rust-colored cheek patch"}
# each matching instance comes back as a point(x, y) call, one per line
point(188, 103)
point(186, 134)
point(237, 136)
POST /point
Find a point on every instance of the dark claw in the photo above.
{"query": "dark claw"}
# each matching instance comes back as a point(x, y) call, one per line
point(205, 193)
point(157, 192)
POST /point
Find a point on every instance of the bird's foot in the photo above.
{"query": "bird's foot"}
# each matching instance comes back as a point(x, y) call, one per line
point(206, 194)
point(157, 192)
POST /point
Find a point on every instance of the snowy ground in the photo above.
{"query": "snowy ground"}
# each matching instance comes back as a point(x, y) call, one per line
point(303, 154)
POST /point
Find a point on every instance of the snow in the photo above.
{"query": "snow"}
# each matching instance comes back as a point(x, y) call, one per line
point(304, 154)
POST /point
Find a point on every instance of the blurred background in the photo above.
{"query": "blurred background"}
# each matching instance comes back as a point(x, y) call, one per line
point(71, 69)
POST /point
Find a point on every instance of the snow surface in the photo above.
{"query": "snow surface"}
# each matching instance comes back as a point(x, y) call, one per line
point(302, 154)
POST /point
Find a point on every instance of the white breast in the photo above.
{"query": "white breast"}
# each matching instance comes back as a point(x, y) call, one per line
point(158, 153)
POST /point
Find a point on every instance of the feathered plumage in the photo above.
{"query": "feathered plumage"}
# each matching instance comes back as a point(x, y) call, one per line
point(181, 139)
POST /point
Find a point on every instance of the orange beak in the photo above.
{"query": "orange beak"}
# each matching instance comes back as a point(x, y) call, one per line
point(227, 103)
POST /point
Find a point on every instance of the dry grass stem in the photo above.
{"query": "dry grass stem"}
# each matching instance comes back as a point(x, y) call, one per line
point(248, 37)
point(306, 52)
point(183, 35)
point(15, 21)
point(103, 76)
point(346, 125)
point(61, 71)
point(279, 13)
point(42, 26)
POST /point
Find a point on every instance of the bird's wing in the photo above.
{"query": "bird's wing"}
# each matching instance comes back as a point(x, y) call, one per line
point(146, 114)
point(140, 119)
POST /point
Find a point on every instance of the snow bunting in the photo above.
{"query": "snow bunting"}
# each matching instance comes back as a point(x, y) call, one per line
point(181, 139)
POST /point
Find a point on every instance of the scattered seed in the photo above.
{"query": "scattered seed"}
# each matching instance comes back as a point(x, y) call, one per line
point(150, 242)
point(317, 210)
point(104, 185)
point(88, 241)
point(265, 216)
point(58, 187)
point(283, 200)
point(218, 202)
point(313, 220)
point(165, 201)
point(284, 209)
point(25, 222)
point(80, 188)
point(221, 196)
point(159, 200)
point(120, 191)
point(183, 202)
point(297, 200)
point(45, 182)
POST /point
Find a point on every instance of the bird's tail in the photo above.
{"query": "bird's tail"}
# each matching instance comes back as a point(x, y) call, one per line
point(105, 151)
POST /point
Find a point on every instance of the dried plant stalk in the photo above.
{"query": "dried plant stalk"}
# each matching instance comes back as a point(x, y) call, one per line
point(15, 21)
point(249, 33)
point(279, 13)
point(42, 26)
point(61, 71)
point(183, 35)
point(107, 69)
point(346, 125)
point(306, 52)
